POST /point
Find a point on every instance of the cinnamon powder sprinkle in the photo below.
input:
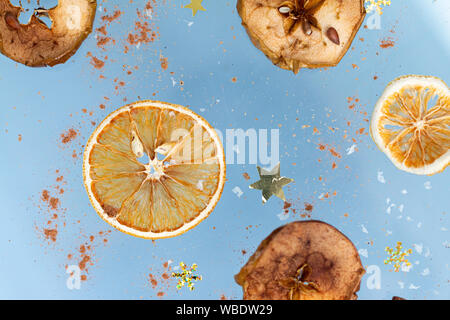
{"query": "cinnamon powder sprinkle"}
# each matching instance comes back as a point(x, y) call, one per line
point(164, 63)
point(45, 195)
point(50, 234)
point(387, 43)
point(53, 203)
point(68, 136)
point(97, 63)
point(85, 255)
point(162, 281)
point(110, 18)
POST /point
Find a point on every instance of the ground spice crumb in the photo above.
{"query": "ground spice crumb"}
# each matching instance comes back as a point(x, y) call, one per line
point(143, 29)
point(85, 254)
point(51, 234)
point(53, 203)
point(334, 153)
point(286, 207)
point(110, 18)
point(162, 281)
point(164, 63)
point(97, 63)
point(387, 43)
point(153, 281)
point(68, 136)
point(83, 262)
point(45, 195)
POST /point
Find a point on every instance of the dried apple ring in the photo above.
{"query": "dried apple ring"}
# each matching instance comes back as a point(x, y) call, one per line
point(303, 260)
point(35, 44)
point(298, 34)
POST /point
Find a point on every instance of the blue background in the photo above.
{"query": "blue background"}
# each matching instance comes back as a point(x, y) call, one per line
point(41, 104)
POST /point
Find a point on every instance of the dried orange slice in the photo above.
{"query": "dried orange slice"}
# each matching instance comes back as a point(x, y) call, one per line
point(411, 124)
point(154, 170)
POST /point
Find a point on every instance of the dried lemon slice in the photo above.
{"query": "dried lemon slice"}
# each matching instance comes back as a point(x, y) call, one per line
point(154, 170)
point(411, 124)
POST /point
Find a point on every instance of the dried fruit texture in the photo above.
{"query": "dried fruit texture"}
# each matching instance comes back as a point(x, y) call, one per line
point(298, 34)
point(303, 260)
point(154, 170)
point(36, 45)
point(411, 124)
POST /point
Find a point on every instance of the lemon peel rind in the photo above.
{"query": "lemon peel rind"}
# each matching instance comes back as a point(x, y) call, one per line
point(154, 235)
point(397, 84)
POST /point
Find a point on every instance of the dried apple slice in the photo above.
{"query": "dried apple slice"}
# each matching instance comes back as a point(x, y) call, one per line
point(298, 34)
point(303, 260)
point(36, 45)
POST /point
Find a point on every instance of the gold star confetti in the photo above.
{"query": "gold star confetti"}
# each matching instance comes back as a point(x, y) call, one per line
point(195, 5)
point(187, 276)
point(372, 5)
point(271, 183)
point(397, 257)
